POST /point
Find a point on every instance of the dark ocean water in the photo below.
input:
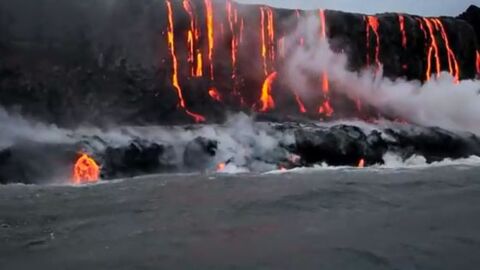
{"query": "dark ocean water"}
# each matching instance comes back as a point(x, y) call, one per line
point(327, 219)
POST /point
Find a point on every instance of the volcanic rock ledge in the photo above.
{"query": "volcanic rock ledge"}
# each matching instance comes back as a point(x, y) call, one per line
point(338, 145)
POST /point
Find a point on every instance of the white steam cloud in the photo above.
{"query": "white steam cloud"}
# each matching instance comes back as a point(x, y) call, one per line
point(439, 102)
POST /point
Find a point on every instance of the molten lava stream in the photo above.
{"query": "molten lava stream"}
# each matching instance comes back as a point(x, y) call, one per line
point(432, 51)
point(191, 37)
point(211, 35)
point(85, 170)
point(361, 163)
point(373, 24)
point(171, 45)
point(453, 66)
point(271, 33)
point(266, 98)
point(199, 69)
point(401, 20)
point(478, 62)
point(263, 40)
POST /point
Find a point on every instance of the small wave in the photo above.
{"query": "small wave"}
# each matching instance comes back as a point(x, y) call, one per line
point(392, 161)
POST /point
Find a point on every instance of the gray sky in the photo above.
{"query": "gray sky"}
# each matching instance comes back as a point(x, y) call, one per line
point(420, 7)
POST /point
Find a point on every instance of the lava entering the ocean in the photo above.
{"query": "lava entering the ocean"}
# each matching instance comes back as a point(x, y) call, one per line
point(85, 170)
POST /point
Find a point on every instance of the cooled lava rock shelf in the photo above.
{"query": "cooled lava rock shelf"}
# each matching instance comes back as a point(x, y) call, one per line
point(159, 78)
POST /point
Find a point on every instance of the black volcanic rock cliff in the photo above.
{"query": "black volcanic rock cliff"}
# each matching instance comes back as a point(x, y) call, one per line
point(72, 62)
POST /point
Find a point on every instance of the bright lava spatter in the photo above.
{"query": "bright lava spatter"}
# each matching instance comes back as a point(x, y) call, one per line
point(211, 35)
point(453, 66)
point(361, 163)
point(373, 24)
point(85, 170)
point(199, 69)
point(171, 45)
point(432, 51)
point(214, 94)
point(325, 108)
point(266, 98)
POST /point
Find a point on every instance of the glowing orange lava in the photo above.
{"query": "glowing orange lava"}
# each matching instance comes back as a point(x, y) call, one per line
point(171, 46)
point(401, 20)
point(211, 35)
point(266, 98)
point(221, 167)
point(373, 24)
point(453, 66)
point(301, 106)
point(264, 45)
point(214, 94)
point(361, 163)
point(432, 51)
point(199, 69)
point(478, 62)
point(271, 32)
point(193, 35)
point(85, 170)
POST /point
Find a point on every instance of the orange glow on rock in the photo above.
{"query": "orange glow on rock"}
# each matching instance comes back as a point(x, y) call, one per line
point(326, 109)
point(361, 163)
point(478, 62)
point(171, 45)
point(401, 20)
point(266, 98)
point(85, 170)
point(301, 106)
point(221, 167)
point(214, 94)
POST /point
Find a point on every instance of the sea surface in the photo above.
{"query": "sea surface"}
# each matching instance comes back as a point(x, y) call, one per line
point(410, 218)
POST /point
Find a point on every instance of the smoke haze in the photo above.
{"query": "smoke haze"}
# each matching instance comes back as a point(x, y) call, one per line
point(439, 102)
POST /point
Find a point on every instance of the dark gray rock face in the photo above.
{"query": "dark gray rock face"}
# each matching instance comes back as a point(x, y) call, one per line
point(98, 62)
